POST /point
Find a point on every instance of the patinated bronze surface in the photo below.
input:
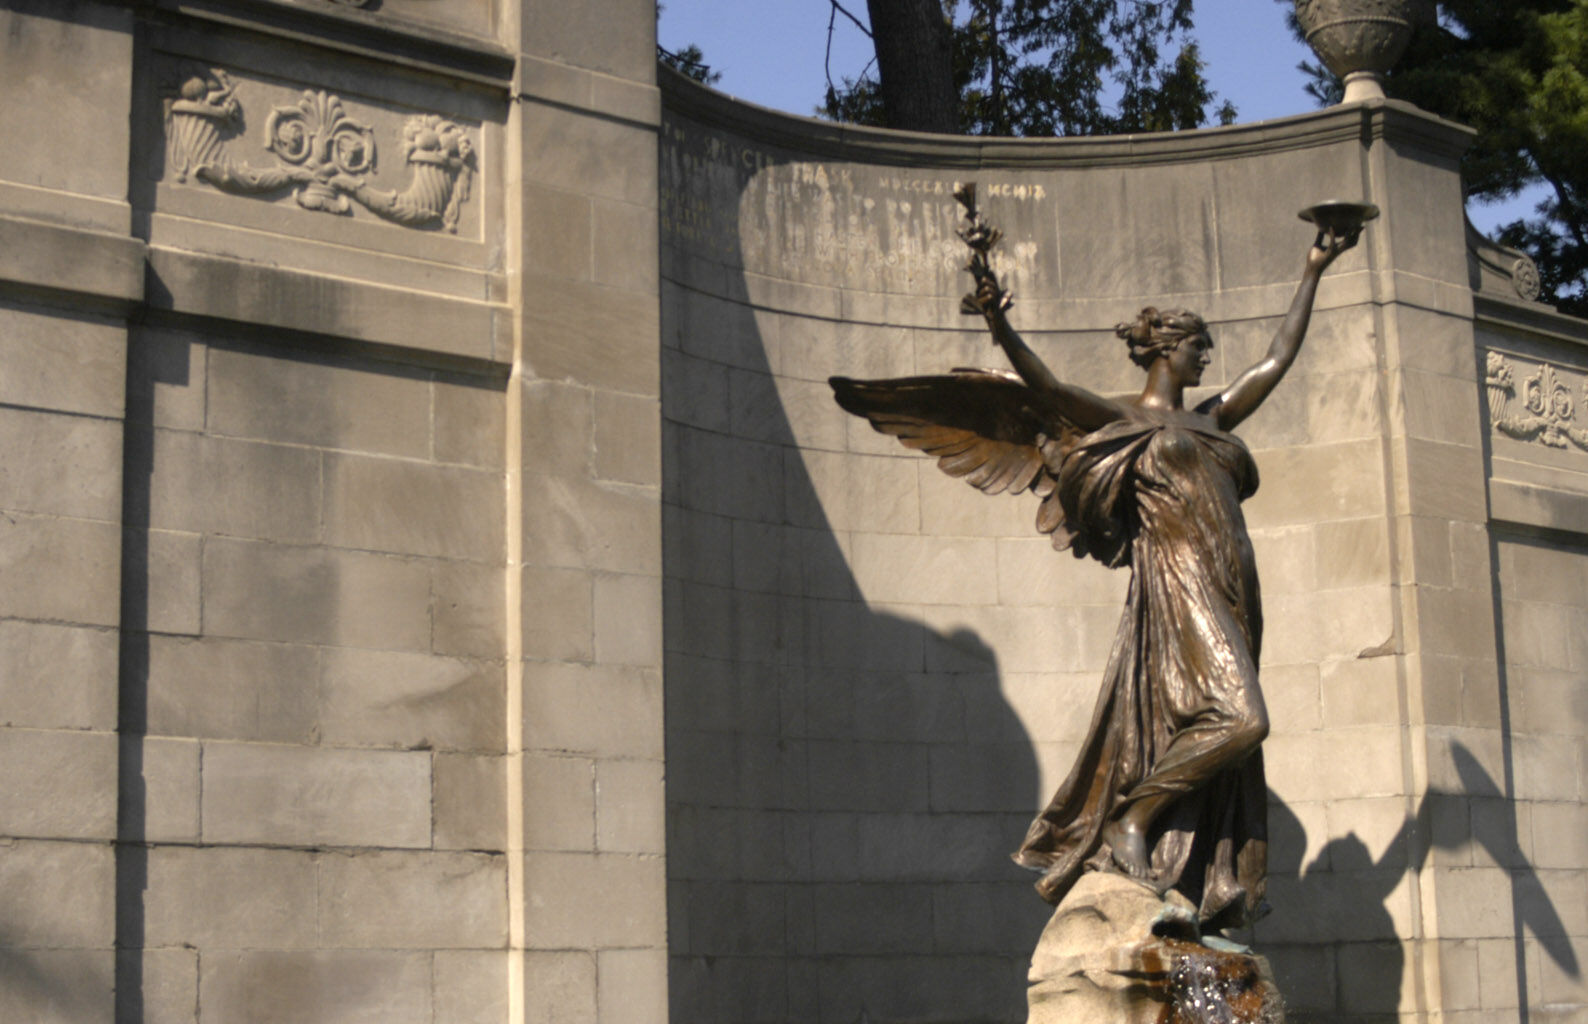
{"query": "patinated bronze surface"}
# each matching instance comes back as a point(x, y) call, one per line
point(1169, 785)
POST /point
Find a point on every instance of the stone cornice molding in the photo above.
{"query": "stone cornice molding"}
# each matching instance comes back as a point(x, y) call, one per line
point(352, 30)
point(1534, 318)
point(1370, 121)
point(81, 267)
point(449, 330)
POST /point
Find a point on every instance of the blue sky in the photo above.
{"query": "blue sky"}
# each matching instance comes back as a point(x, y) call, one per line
point(771, 52)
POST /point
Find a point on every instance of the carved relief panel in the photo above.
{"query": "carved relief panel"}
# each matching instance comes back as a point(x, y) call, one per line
point(323, 156)
point(1536, 401)
point(1537, 398)
point(279, 154)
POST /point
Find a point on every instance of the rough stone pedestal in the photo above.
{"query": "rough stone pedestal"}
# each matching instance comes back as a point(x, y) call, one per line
point(1117, 953)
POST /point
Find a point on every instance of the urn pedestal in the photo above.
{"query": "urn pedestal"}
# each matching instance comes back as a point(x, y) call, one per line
point(1360, 40)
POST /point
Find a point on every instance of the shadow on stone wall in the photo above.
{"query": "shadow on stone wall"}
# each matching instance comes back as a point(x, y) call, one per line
point(1344, 893)
point(51, 981)
point(844, 784)
point(147, 367)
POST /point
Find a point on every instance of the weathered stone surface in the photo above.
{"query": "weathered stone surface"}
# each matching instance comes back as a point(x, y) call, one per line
point(629, 807)
point(470, 987)
point(594, 901)
point(469, 421)
point(356, 986)
point(62, 784)
point(56, 895)
point(259, 591)
point(413, 508)
point(255, 394)
point(560, 987)
point(166, 378)
point(470, 794)
point(593, 709)
point(559, 797)
point(628, 619)
point(412, 900)
point(415, 701)
point(630, 980)
point(90, 158)
point(173, 601)
point(467, 609)
point(626, 429)
point(580, 523)
point(207, 484)
point(558, 619)
point(616, 261)
point(270, 691)
point(602, 344)
point(168, 804)
point(69, 364)
point(230, 898)
point(259, 793)
point(58, 986)
point(60, 465)
point(62, 570)
point(57, 677)
point(169, 980)
point(254, 292)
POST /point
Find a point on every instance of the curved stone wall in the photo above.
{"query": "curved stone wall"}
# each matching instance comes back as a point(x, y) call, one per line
point(876, 674)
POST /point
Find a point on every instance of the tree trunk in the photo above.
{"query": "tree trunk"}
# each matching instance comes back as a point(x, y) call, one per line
point(915, 65)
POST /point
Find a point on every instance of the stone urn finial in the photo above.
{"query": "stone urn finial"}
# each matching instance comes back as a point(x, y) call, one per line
point(1359, 40)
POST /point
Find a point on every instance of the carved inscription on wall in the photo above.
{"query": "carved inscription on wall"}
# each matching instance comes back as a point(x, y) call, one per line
point(1541, 408)
point(322, 154)
point(829, 223)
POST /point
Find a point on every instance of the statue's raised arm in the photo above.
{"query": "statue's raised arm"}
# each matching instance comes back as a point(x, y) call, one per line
point(1075, 405)
point(1339, 227)
point(999, 431)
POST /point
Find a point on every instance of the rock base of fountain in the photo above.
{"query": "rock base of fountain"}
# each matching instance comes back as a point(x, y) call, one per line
point(1115, 952)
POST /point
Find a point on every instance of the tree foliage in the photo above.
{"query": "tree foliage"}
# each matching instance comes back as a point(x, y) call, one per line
point(1060, 67)
point(687, 60)
point(1517, 72)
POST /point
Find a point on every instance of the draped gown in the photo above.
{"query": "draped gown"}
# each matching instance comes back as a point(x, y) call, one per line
point(1180, 711)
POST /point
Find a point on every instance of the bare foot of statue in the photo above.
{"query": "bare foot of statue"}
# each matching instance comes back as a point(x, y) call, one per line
point(1127, 841)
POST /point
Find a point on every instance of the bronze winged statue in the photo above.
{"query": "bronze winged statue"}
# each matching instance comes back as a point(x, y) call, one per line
point(1169, 785)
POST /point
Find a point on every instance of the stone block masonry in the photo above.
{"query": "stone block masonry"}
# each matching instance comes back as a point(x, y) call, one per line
point(304, 725)
point(288, 627)
point(436, 586)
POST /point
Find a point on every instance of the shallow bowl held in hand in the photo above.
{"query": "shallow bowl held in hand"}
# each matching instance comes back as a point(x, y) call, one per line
point(1339, 217)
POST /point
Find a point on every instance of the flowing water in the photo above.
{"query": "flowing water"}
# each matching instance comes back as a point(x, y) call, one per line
point(1206, 986)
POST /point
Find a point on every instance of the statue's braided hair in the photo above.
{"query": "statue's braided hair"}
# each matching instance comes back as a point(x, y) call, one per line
point(1155, 332)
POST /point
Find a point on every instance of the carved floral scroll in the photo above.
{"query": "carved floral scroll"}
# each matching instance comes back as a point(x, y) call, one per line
point(323, 154)
point(1548, 411)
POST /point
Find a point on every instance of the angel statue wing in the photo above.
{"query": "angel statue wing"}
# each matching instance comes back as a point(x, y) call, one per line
point(985, 426)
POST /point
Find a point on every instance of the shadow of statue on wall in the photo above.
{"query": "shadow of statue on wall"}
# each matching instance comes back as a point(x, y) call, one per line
point(845, 781)
point(1344, 892)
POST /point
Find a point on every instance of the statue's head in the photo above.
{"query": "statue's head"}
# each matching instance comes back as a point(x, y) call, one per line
point(1157, 332)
